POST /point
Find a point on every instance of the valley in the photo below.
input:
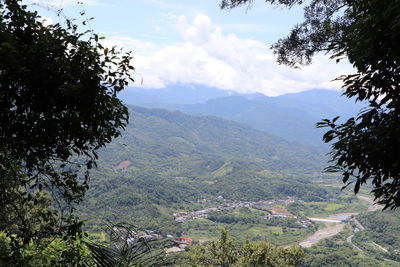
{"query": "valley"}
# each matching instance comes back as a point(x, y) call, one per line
point(175, 175)
point(227, 133)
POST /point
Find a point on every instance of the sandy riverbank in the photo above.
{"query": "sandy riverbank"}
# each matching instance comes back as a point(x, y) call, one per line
point(329, 230)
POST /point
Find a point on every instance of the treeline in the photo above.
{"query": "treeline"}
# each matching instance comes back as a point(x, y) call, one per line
point(329, 253)
point(226, 251)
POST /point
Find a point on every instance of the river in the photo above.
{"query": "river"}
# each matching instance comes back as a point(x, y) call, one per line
point(333, 228)
point(330, 230)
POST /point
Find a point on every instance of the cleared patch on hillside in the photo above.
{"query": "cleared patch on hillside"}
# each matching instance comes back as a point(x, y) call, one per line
point(123, 165)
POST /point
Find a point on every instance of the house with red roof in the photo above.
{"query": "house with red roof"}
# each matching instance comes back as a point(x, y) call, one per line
point(182, 240)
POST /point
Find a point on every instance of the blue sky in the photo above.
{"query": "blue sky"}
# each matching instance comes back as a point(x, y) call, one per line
point(194, 42)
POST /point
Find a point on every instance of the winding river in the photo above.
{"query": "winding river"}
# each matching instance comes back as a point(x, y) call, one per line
point(333, 228)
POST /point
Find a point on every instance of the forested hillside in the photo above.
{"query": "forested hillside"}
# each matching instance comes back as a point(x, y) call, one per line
point(157, 133)
point(166, 159)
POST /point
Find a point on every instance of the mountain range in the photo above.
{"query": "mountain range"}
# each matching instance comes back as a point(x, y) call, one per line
point(291, 116)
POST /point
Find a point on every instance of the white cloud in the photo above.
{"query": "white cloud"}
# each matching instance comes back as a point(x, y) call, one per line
point(46, 21)
point(138, 47)
point(209, 57)
point(199, 32)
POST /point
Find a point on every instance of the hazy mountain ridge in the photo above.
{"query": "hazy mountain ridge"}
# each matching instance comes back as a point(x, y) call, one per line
point(291, 116)
point(173, 94)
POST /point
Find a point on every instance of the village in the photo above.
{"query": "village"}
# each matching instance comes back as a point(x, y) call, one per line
point(181, 243)
point(273, 212)
point(133, 236)
point(271, 209)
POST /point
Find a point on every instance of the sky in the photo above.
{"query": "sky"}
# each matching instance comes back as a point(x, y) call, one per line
point(195, 42)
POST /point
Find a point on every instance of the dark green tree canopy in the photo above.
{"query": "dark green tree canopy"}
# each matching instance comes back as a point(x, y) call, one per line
point(367, 33)
point(58, 105)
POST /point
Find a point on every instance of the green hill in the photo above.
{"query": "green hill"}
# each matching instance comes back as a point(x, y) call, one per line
point(159, 135)
point(165, 160)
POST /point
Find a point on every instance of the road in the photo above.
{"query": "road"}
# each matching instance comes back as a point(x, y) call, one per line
point(359, 225)
point(349, 239)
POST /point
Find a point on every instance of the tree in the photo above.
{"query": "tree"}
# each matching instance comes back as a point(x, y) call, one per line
point(367, 33)
point(226, 252)
point(59, 105)
point(129, 249)
point(55, 251)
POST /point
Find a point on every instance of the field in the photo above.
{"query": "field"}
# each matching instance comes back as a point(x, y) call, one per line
point(205, 230)
point(324, 209)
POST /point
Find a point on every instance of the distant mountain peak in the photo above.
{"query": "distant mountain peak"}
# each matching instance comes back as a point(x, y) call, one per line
point(291, 116)
point(173, 94)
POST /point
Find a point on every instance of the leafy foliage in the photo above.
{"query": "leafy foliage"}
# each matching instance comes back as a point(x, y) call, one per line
point(44, 252)
point(58, 106)
point(128, 249)
point(365, 147)
point(35, 215)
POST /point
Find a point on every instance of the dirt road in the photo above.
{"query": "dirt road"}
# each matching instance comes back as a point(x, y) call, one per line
point(349, 239)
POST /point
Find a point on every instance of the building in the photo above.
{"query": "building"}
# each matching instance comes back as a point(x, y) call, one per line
point(182, 240)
